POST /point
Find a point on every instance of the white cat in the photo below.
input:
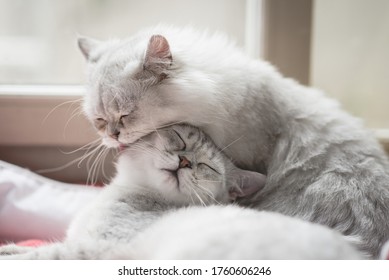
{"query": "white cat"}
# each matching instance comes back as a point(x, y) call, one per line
point(140, 215)
point(321, 164)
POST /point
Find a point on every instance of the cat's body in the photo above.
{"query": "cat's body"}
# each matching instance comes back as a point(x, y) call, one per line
point(231, 232)
point(322, 165)
point(144, 213)
point(214, 232)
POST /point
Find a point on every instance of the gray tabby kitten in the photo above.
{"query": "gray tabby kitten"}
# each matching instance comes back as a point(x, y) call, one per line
point(322, 165)
point(137, 215)
point(166, 170)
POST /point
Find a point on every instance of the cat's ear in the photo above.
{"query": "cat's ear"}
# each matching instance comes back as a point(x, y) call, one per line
point(87, 45)
point(158, 57)
point(243, 183)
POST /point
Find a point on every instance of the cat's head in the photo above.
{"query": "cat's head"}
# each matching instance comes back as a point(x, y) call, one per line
point(137, 86)
point(185, 166)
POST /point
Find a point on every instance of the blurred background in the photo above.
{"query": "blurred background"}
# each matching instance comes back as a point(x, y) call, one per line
point(340, 46)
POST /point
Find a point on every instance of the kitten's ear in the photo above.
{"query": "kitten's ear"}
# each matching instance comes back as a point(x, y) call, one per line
point(158, 56)
point(244, 183)
point(87, 45)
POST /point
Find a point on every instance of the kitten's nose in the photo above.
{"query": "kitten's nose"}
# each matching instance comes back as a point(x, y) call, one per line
point(115, 135)
point(184, 162)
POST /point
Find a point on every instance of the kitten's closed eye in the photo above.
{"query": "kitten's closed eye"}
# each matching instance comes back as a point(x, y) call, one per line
point(181, 143)
point(204, 165)
point(123, 117)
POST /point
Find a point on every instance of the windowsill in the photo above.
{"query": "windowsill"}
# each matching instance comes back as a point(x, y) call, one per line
point(43, 116)
point(36, 115)
point(42, 90)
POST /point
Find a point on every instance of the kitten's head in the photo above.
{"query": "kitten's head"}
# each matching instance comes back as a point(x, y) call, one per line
point(135, 86)
point(186, 167)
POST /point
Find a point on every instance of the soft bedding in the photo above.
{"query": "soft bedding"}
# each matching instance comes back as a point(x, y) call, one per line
point(35, 208)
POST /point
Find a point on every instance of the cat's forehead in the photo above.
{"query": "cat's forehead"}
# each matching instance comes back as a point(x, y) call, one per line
point(197, 141)
point(114, 95)
point(120, 93)
point(105, 102)
point(115, 59)
point(187, 131)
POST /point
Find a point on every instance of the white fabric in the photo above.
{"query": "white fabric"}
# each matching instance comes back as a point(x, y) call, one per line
point(34, 207)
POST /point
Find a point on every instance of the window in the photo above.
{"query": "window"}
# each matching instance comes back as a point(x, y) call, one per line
point(38, 38)
point(41, 68)
point(339, 46)
point(350, 58)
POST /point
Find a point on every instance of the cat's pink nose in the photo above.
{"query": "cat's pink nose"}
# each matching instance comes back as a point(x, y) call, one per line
point(184, 162)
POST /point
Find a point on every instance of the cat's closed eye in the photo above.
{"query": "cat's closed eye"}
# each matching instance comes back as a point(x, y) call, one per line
point(182, 144)
point(204, 165)
point(100, 123)
point(122, 117)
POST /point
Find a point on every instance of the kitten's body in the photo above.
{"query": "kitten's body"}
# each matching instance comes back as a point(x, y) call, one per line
point(155, 177)
point(137, 215)
point(322, 165)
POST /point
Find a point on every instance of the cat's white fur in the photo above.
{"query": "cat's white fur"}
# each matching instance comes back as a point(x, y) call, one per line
point(214, 232)
point(140, 215)
point(322, 164)
point(384, 255)
point(217, 232)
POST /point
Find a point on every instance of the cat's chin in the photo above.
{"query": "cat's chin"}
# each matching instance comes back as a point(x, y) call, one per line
point(113, 144)
point(171, 177)
point(110, 143)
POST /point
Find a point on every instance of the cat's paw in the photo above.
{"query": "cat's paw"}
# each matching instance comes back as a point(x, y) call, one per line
point(13, 249)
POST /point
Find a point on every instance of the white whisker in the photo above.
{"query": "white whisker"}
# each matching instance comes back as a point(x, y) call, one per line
point(208, 193)
point(74, 114)
point(199, 197)
point(86, 146)
point(214, 181)
point(57, 106)
point(233, 142)
point(91, 149)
